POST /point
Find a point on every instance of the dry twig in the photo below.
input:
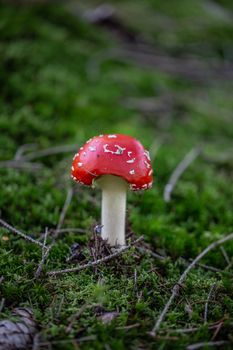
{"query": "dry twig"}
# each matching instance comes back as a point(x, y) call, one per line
point(20, 165)
point(66, 341)
point(125, 328)
point(68, 200)
point(179, 170)
point(177, 286)
point(77, 315)
point(73, 229)
point(212, 288)
point(207, 344)
point(21, 234)
point(225, 255)
point(189, 68)
point(154, 148)
point(189, 330)
point(51, 151)
point(211, 268)
point(2, 304)
point(45, 254)
point(20, 151)
point(150, 252)
point(217, 330)
point(96, 262)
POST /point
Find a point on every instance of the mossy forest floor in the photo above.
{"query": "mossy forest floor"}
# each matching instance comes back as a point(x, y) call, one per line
point(159, 71)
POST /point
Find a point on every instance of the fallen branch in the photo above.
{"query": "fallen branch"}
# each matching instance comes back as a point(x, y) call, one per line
point(212, 288)
point(177, 286)
point(179, 170)
point(19, 233)
point(96, 262)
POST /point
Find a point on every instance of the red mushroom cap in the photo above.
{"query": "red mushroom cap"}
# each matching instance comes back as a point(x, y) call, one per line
point(118, 155)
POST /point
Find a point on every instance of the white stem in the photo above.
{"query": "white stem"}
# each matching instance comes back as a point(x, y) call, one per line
point(114, 190)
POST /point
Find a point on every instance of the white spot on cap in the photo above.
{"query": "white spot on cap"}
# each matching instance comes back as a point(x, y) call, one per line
point(147, 154)
point(119, 149)
point(81, 148)
point(112, 136)
point(92, 149)
point(133, 187)
point(132, 172)
point(150, 172)
point(75, 156)
point(131, 160)
point(72, 168)
point(80, 164)
point(147, 164)
point(129, 153)
point(101, 135)
point(89, 140)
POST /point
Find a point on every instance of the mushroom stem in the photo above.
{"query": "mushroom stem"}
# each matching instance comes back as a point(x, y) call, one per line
point(114, 190)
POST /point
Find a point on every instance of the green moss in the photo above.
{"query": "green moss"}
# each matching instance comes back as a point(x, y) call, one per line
point(50, 96)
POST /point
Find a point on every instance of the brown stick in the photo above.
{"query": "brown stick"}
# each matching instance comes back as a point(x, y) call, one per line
point(177, 286)
point(96, 262)
point(21, 234)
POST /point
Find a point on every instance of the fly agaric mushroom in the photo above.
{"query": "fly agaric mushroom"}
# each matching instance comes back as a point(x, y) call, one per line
point(114, 162)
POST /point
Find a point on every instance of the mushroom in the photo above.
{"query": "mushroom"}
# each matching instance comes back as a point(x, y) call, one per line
point(115, 163)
